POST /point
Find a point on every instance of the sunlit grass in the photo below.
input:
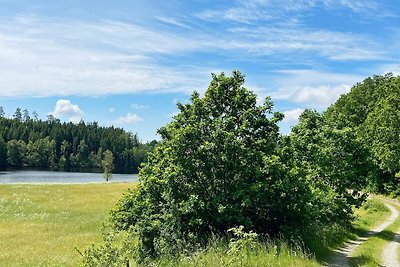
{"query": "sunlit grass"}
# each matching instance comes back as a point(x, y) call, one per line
point(40, 225)
point(263, 254)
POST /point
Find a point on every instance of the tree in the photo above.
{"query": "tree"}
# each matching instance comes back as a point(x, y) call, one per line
point(3, 153)
point(18, 115)
point(67, 145)
point(108, 165)
point(333, 159)
point(35, 116)
point(371, 110)
point(25, 115)
point(83, 154)
point(216, 167)
point(16, 153)
point(2, 113)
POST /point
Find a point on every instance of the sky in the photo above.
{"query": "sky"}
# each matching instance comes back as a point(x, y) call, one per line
point(127, 63)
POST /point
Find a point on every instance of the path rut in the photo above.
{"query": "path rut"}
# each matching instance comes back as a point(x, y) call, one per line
point(389, 253)
point(342, 255)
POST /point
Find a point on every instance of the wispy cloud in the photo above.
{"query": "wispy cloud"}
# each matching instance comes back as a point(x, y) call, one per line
point(325, 43)
point(248, 11)
point(172, 21)
point(322, 95)
point(313, 88)
point(41, 56)
point(139, 106)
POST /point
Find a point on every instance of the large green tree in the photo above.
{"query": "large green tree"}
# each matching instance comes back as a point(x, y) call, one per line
point(372, 111)
point(218, 166)
point(334, 160)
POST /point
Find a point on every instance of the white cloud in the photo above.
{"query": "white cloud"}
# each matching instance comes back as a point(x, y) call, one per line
point(292, 116)
point(47, 56)
point(333, 45)
point(322, 95)
point(172, 21)
point(129, 119)
point(393, 68)
point(247, 11)
point(65, 109)
point(64, 58)
point(111, 110)
point(314, 88)
point(139, 106)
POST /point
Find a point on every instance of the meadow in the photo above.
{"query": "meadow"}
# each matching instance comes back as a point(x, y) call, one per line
point(41, 225)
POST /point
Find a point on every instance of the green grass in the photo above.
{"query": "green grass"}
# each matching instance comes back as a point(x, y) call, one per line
point(277, 253)
point(40, 225)
point(372, 213)
point(370, 252)
point(262, 254)
point(323, 241)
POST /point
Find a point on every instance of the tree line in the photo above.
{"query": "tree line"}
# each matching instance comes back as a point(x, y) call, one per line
point(27, 141)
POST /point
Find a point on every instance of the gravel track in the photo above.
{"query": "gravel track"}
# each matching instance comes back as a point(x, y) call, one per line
point(342, 255)
point(389, 253)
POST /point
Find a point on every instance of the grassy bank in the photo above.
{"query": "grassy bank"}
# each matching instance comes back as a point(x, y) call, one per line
point(40, 225)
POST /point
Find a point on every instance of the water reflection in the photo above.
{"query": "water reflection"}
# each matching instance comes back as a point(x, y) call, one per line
point(57, 177)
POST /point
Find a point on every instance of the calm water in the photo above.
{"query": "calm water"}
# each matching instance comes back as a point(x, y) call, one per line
point(55, 177)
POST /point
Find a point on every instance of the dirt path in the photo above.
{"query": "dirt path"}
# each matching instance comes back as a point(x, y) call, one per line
point(389, 253)
point(341, 257)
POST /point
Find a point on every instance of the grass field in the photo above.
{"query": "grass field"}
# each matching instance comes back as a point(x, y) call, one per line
point(40, 225)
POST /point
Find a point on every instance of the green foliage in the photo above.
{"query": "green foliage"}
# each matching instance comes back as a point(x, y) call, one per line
point(330, 157)
point(242, 250)
point(108, 165)
point(52, 144)
point(372, 111)
point(115, 251)
point(222, 163)
point(3, 153)
point(16, 151)
point(241, 240)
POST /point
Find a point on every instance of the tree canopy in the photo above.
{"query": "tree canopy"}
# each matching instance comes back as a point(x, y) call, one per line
point(223, 163)
point(372, 111)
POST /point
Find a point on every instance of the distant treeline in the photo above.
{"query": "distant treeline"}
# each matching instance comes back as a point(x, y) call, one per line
point(27, 141)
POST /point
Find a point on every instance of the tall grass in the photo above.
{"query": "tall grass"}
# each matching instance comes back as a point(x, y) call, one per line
point(273, 253)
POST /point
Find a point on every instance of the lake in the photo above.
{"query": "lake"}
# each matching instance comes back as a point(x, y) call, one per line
point(59, 177)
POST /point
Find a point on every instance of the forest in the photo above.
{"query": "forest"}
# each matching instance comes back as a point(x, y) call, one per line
point(27, 141)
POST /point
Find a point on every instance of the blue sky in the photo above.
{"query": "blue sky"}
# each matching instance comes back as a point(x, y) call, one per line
point(127, 63)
